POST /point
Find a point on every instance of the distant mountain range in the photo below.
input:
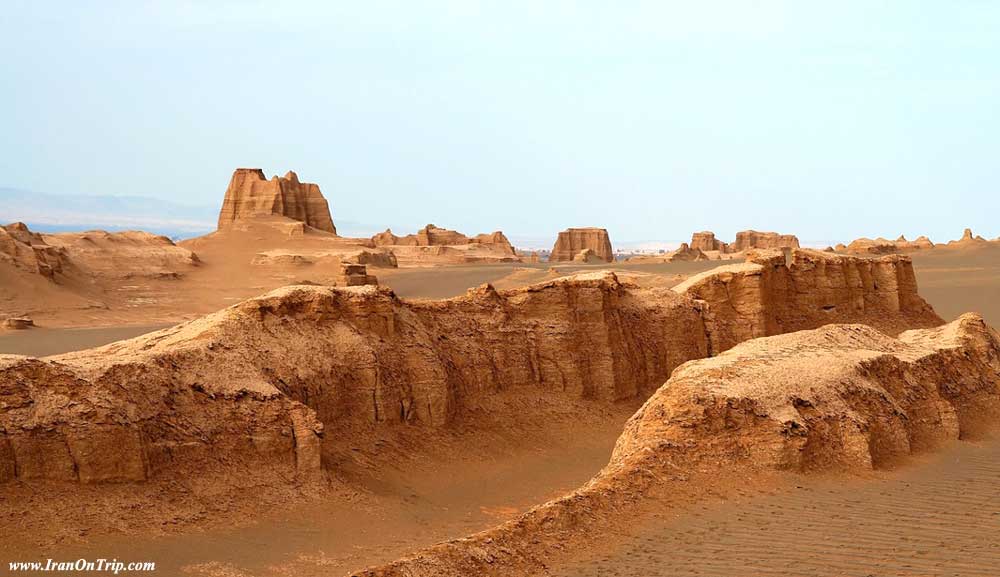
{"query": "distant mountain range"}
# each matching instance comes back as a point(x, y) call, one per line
point(46, 212)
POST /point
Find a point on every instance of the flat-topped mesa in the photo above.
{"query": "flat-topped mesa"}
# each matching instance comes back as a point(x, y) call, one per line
point(572, 241)
point(706, 241)
point(433, 245)
point(752, 239)
point(250, 195)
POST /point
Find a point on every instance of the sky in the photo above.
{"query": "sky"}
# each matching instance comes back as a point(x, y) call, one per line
point(829, 120)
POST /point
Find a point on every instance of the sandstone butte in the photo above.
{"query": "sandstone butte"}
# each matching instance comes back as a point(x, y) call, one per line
point(572, 241)
point(251, 195)
point(705, 241)
point(262, 389)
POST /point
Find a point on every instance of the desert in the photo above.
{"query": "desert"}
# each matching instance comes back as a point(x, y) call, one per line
point(448, 290)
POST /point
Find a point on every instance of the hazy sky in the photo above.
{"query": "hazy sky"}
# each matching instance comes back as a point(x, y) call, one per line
point(830, 120)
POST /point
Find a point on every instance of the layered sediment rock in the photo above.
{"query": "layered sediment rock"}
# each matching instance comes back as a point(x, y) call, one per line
point(128, 254)
point(746, 240)
point(28, 251)
point(705, 241)
point(774, 293)
point(255, 383)
point(880, 245)
point(752, 239)
point(434, 245)
point(839, 398)
point(573, 240)
point(251, 195)
point(684, 253)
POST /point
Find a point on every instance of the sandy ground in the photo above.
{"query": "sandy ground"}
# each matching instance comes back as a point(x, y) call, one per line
point(938, 517)
point(40, 342)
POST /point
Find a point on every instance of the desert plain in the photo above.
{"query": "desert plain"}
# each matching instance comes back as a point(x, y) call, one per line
point(276, 399)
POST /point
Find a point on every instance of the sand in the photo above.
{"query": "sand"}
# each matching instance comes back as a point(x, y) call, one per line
point(40, 342)
point(937, 517)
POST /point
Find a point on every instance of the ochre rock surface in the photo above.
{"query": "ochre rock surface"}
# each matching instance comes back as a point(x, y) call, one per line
point(877, 246)
point(573, 240)
point(705, 241)
point(840, 398)
point(684, 253)
point(248, 389)
point(250, 195)
point(967, 240)
point(752, 239)
point(432, 245)
point(128, 254)
point(773, 293)
point(28, 251)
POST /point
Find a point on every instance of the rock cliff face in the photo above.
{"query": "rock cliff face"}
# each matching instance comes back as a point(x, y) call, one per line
point(573, 240)
point(249, 389)
point(250, 195)
point(772, 294)
point(28, 251)
point(252, 384)
point(841, 398)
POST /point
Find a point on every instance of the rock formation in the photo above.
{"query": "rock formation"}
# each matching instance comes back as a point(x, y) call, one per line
point(968, 240)
point(745, 240)
point(773, 293)
point(28, 251)
point(128, 254)
point(573, 240)
point(355, 275)
point(17, 323)
point(884, 246)
point(433, 245)
point(250, 388)
point(684, 253)
point(587, 256)
point(751, 239)
point(840, 398)
point(251, 195)
point(705, 241)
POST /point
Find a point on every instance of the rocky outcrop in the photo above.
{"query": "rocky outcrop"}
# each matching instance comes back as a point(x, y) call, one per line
point(251, 195)
point(746, 240)
point(17, 323)
point(124, 255)
point(837, 399)
point(355, 275)
point(684, 253)
point(879, 246)
point(573, 240)
point(433, 245)
point(248, 388)
point(773, 293)
point(752, 239)
point(28, 251)
point(967, 240)
point(705, 241)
